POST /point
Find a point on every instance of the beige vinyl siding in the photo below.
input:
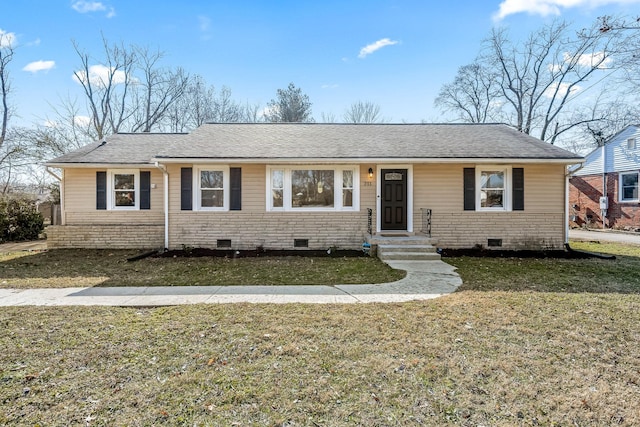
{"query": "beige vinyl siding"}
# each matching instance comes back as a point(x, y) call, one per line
point(539, 226)
point(80, 201)
point(254, 226)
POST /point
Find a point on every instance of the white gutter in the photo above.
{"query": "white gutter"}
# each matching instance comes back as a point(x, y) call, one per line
point(60, 179)
point(566, 201)
point(99, 165)
point(166, 203)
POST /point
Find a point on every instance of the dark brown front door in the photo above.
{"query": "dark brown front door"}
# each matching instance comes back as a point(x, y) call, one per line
point(393, 205)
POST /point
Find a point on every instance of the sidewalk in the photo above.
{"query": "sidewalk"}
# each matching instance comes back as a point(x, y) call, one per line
point(605, 236)
point(424, 280)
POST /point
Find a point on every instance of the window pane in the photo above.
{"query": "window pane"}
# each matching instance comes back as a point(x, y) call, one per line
point(347, 179)
point(492, 179)
point(347, 198)
point(630, 180)
point(277, 198)
point(123, 181)
point(211, 179)
point(125, 198)
point(629, 193)
point(212, 198)
point(630, 186)
point(491, 198)
point(312, 188)
point(277, 179)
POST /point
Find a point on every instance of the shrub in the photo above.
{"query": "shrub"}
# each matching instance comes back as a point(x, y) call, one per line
point(19, 220)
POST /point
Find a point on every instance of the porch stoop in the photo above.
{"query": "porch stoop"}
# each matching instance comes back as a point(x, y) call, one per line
point(405, 247)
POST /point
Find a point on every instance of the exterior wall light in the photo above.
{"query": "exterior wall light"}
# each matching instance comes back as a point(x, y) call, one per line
point(370, 173)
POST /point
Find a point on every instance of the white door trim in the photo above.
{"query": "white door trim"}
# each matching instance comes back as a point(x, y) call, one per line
point(409, 168)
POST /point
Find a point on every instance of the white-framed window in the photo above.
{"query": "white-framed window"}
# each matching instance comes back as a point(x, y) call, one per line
point(628, 186)
point(493, 188)
point(123, 189)
point(211, 188)
point(312, 188)
point(631, 144)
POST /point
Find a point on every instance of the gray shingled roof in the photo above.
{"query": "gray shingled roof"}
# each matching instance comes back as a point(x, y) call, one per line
point(323, 141)
point(121, 148)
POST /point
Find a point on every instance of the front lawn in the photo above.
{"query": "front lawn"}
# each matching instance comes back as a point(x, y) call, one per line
point(472, 358)
point(621, 275)
point(525, 342)
point(70, 268)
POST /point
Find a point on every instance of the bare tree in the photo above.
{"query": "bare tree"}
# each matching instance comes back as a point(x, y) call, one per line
point(107, 87)
point(156, 91)
point(538, 78)
point(529, 84)
point(474, 94)
point(6, 55)
point(290, 106)
point(363, 112)
point(127, 89)
point(328, 118)
point(201, 103)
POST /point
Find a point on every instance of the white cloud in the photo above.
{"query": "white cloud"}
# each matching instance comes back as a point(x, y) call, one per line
point(99, 75)
point(36, 66)
point(329, 86)
point(370, 48)
point(549, 7)
point(562, 90)
point(88, 6)
point(7, 39)
point(204, 23)
point(591, 60)
point(82, 121)
point(82, 6)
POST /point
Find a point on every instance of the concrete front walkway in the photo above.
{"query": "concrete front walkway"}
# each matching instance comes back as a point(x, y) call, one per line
point(424, 280)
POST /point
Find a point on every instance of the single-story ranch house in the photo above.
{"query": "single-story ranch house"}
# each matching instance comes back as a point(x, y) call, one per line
point(315, 186)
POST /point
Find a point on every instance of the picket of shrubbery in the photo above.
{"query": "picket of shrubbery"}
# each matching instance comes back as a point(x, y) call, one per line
point(19, 220)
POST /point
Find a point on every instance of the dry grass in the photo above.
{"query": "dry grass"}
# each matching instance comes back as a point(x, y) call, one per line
point(530, 355)
point(472, 358)
point(621, 275)
point(70, 268)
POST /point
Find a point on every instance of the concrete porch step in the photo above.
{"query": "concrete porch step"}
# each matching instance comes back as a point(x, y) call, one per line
point(408, 256)
point(402, 240)
point(406, 248)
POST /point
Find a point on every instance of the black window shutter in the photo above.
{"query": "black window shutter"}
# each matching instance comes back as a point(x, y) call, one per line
point(469, 189)
point(236, 189)
point(518, 189)
point(186, 182)
point(145, 190)
point(101, 190)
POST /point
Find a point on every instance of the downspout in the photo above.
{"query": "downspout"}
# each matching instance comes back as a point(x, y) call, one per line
point(604, 181)
point(566, 202)
point(61, 181)
point(165, 174)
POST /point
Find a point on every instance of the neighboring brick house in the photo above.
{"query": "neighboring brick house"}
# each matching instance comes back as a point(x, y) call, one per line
point(611, 173)
point(316, 186)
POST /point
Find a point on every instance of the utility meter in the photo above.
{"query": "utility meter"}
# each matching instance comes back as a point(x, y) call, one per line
point(604, 203)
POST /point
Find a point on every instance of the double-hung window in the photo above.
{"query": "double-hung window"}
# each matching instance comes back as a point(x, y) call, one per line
point(629, 186)
point(324, 188)
point(124, 189)
point(493, 188)
point(211, 187)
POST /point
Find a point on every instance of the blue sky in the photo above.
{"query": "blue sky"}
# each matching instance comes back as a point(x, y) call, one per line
point(395, 53)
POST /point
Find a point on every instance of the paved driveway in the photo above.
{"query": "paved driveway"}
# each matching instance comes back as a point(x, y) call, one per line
point(605, 236)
